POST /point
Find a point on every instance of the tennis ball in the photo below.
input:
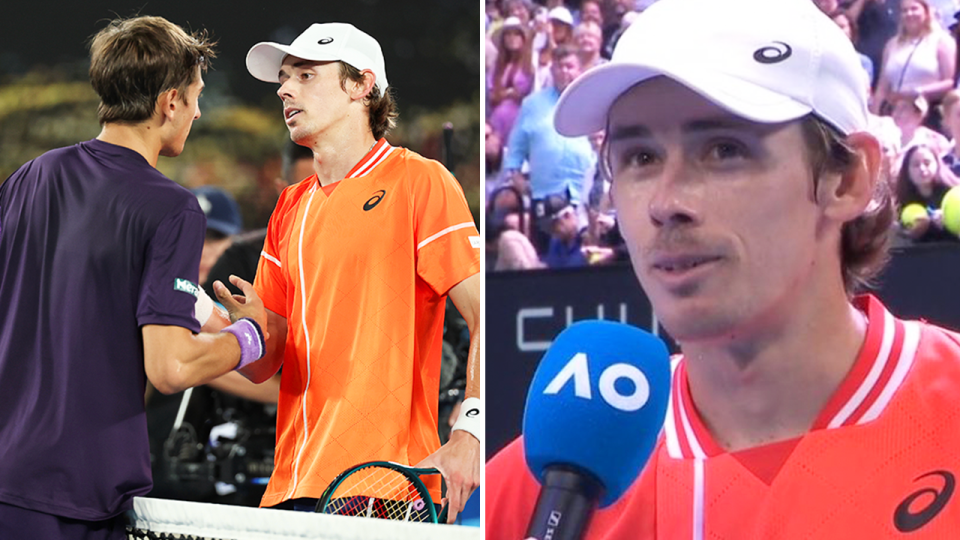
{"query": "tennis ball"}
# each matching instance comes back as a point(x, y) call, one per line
point(951, 210)
point(913, 211)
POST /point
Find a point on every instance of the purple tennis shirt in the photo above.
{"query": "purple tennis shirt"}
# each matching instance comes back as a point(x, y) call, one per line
point(94, 244)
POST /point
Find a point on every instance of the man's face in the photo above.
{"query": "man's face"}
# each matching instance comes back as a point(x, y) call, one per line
point(313, 100)
point(188, 110)
point(718, 212)
point(565, 70)
point(562, 32)
point(564, 225)
point(589, 40)
point(590, 11)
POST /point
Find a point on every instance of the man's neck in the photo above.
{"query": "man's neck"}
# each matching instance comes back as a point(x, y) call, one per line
point(142, 138)
point(772, 385)
point(335, 154)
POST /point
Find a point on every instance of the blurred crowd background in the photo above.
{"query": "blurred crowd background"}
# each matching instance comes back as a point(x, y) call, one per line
point(547, 205)
point(431, 53)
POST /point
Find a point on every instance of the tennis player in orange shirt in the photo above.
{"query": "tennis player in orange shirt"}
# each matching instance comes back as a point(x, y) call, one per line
point(357, 265)
point(747, 189)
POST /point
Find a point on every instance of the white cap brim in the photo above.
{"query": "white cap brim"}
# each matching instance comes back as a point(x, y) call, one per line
point(264, 59)
point(584, 106)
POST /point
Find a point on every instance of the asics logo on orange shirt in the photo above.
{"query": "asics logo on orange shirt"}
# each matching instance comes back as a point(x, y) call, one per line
point(907, 520)
point(374, 201)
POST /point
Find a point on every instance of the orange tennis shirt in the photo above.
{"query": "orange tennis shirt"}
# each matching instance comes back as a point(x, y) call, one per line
point(361, 275)
point(881, 461)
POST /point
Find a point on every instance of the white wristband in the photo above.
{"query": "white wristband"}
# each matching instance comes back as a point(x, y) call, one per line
point(471, 418)
point(203, 308)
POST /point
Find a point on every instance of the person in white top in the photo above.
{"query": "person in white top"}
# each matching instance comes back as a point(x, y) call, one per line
point(920, 61)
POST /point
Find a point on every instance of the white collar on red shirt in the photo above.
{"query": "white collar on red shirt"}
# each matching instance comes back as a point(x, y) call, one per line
point(880, 368)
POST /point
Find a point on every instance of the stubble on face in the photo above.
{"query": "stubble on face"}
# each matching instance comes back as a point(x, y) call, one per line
point(717, 212)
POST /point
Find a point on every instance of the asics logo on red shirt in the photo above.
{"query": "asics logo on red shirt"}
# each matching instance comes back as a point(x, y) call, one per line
point(906, 519)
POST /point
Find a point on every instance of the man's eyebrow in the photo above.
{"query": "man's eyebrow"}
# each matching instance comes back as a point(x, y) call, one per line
point(637, 131)
point(300, 64)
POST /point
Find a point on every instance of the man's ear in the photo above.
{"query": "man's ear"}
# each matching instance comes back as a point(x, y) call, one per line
point(845, 195)
point(360, 90)
point(167, 103)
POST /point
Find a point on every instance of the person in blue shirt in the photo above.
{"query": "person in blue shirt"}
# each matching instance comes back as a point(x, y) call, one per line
point(556, 162)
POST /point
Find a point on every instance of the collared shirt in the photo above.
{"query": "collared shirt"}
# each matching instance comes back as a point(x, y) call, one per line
point(361, 274)
point(880, 461)
point(95, 243)
point(556, 162)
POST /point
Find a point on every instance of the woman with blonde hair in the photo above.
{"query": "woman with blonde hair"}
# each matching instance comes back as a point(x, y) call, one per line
point(512, 77)
point(920, 61)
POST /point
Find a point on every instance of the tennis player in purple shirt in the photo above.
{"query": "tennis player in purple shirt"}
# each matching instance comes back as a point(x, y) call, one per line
point(99, 257)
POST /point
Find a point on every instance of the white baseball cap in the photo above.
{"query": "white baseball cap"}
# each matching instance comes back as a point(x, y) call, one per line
point(561, 14)
point(325, 42)
point(767, 61)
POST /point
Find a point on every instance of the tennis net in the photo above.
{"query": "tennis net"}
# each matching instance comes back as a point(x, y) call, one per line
point(160, 519)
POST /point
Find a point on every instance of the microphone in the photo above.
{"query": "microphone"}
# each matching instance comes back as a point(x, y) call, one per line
point(594, 411)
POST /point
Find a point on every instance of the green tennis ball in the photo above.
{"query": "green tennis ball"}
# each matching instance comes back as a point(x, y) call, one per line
point(951, 210)
point(912, 212)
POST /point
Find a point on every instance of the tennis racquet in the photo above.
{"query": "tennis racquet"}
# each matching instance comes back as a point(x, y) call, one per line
point(381, 490)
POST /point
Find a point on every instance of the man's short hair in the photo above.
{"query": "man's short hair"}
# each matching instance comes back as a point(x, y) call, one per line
point(563, 51)
point(133, 61)
point(382, 107)
point(864, 241)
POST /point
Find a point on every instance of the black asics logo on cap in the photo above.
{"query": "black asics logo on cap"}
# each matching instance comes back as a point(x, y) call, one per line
point(374, 201)
point(472, 413)
point(906, 520)
point(325, 41)
point(771, 54)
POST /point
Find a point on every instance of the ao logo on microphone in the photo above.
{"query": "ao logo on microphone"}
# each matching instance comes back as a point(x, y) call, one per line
point(578, 369)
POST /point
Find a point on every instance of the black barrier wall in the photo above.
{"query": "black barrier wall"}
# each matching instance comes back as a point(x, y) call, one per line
point(525, 310)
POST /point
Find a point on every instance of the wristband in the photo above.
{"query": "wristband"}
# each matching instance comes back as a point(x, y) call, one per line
point(471, 418)
point(250, 337)
point(203, 307)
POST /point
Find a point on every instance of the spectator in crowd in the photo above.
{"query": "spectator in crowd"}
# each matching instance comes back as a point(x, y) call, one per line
point(876, 22)
point(589, 38)
point(908, 114)
point(611, 42)
point(922, 182)
point(519, 9)
point(512, 77)
point(560, 27)
point(557, 163)
point(919, 62)
point(590, 11)
point(950, 108)
point(613, 13)
point(849, 28)
point(509, 247)
point(223, 222)
point(557, 215)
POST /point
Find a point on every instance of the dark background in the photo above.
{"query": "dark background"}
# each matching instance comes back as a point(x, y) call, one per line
point(431, 47)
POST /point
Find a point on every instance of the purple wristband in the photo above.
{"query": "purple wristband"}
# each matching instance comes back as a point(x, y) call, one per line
point(248, 333)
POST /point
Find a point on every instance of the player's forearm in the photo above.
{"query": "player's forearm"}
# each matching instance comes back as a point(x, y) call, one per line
point(176, 359)
point(467, 296)
point(235, 384)
point(267, 367)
